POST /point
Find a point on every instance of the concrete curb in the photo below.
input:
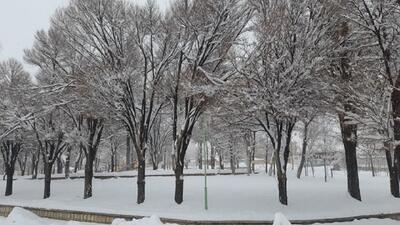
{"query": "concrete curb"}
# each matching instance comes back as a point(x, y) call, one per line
point(107, 218)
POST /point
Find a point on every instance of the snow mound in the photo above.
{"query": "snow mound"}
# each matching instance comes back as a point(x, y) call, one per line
point(19, 216)
point(153, 220)
point(280, 219)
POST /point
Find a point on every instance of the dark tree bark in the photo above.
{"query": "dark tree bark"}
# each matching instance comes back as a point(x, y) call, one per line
point(10, 150)
point(282, 169)
point(212, 157)
point(50, 152)
point(47, 180)
point(67, 162)
point(179, 184)
point(232, 158)
point(200, 155)
point(94, 130)
point(78, 161)
point(393, 173)
point(371, 161)
point(221, 161)
point(128, 153)
point(141, 180)
point(396, 126)
point(35, 163)
point(9, 184)
point(22, 160)
point(349, 137)
point(303, 150)
point(266, 160)
point(112, 162)
point(59, 165)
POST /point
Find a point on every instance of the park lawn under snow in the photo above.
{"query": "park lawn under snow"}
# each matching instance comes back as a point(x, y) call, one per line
point(239, 197)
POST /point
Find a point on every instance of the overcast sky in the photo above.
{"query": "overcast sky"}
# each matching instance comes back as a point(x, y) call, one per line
point(20, 19)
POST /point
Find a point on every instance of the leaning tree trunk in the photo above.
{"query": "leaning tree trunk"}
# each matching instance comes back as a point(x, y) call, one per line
point(303, 151)
point(349, 137)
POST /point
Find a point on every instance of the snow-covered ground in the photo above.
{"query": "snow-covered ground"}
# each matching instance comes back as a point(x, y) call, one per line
point(237, 197)
point(367, 222)
point(21, 216)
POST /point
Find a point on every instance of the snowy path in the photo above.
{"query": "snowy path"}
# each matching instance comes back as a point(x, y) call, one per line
point(238, 197)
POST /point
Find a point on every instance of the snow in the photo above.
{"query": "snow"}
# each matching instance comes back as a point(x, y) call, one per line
point(238, 197)
point(366, 222)
point(19, 216)
point(280, 219)
point(153, 220)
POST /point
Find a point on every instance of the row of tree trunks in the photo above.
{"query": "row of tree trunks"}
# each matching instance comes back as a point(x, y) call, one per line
point(10, 150)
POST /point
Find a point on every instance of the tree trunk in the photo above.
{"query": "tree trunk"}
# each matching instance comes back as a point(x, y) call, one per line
point(253, 152)
point(141, 180)
point(393, 173)
point(47, 179)
point(232, 162)
point(266, 160)
point(200, 156)
point(349, 136)
point(303, 151)
point(312, 168)
point(59, 165)
point(179, 184)
point(212, 157)
point(372, 165)
point(88, 176)
point(221, 161)
point(272, 164)
point(112, 162)
point(35, 165)
point(395, 98)
point(78, 161)
point(128, 153)
point(10, 177)
point(67, 163)
point(282, 187)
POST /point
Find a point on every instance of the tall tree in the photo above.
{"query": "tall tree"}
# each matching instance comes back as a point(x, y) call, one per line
point(208, 30)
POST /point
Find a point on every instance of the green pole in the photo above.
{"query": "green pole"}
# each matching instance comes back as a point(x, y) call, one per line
point(205, 170)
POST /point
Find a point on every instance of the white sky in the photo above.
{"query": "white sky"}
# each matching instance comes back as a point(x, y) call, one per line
point(20, 19)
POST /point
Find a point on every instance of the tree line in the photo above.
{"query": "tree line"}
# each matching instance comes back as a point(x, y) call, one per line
point(110, 69)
